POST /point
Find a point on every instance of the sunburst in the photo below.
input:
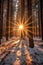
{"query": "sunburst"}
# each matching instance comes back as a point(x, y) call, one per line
point(23, 26)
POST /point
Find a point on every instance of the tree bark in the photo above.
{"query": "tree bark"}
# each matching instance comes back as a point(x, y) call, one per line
point(31, 44)
point(7, 21)
point(22, 14)
point(1, 19)
point(41, 4)
point(11, 18)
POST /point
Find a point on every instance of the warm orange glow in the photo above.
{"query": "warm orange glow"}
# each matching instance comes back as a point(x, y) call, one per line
point(21, 27)
point(18, 53)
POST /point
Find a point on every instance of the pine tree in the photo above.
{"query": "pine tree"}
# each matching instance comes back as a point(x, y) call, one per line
point(41, 6)
point(31, 44)
point(1, 19)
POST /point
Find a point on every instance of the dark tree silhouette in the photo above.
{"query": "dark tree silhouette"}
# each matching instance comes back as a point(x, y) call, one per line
point(31, 44)
point(7, 21)
point(1, 19)
point(39, 18)
point(22, 14)
point(41, 6)
point(11, 18)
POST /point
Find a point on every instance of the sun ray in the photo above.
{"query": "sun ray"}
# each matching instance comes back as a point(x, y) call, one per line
point(23, 19)
point(29, 27)
point(28, 35)
point(26, 30)
point(28, 19)
point(19, 20)
point(30, 23)
point(29, 31)
point(23, 33)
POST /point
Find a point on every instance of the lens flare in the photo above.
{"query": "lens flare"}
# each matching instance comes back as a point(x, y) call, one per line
point(21, 27)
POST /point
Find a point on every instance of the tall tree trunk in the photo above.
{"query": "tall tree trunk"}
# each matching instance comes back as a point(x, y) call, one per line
point(41, 4)
point(11, 19)
point(39, 19)
point(22, 14)
point(7, 21)
point(31, 44)
point(1, 19)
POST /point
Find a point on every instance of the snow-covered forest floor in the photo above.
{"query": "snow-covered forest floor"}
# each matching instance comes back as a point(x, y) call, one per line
point(22, 54)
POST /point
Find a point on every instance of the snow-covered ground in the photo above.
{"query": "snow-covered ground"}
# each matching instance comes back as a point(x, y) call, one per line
point(22, 54)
